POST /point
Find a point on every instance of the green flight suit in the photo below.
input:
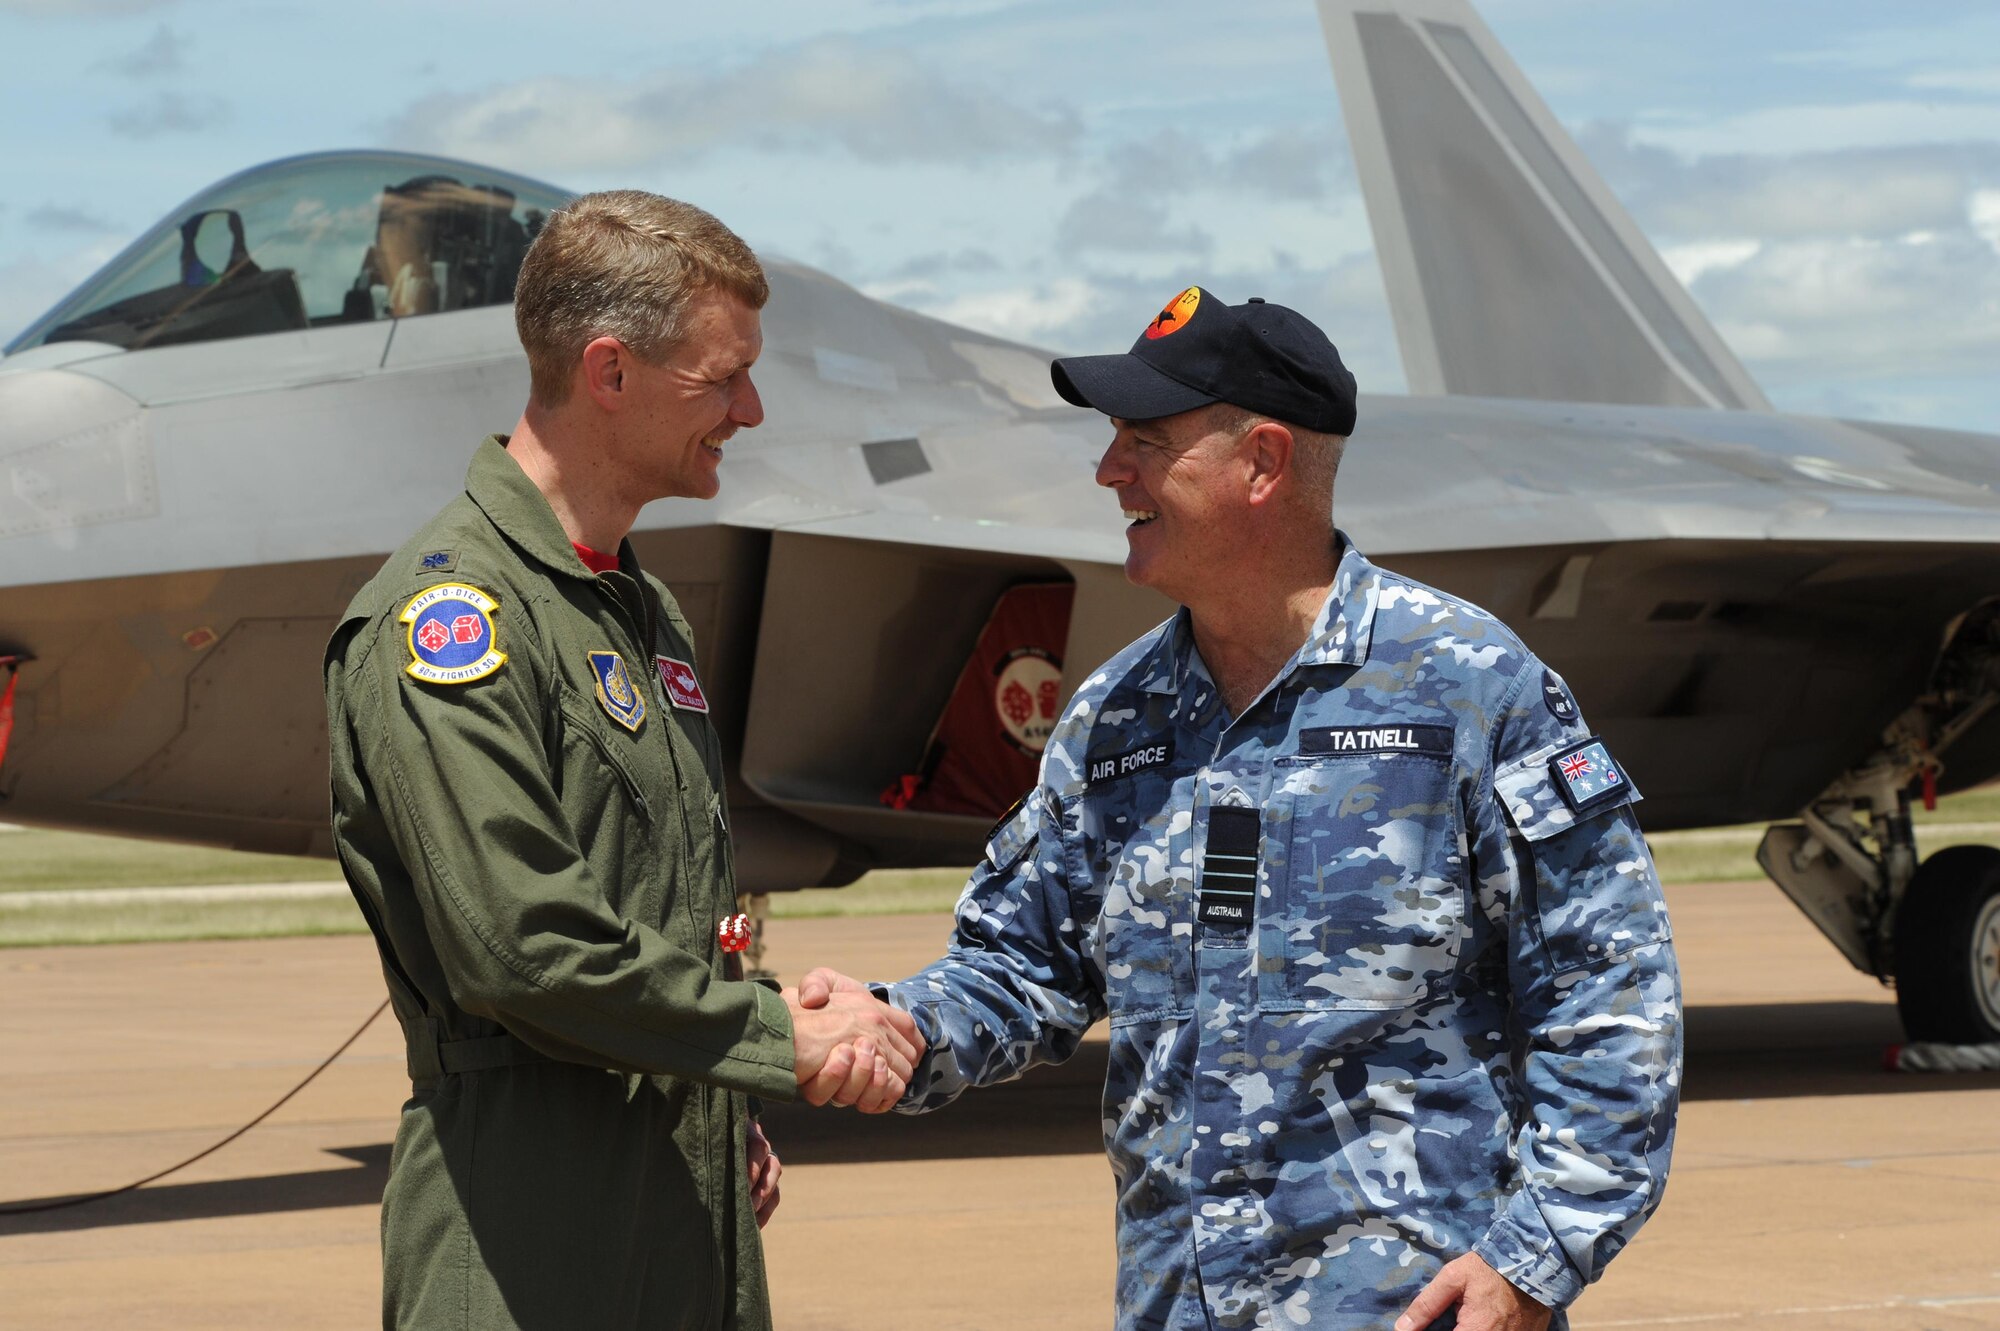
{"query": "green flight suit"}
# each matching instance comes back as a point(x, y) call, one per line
point(542, 854)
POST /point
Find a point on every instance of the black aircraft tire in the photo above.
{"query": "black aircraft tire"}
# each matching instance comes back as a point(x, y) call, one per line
point(1948, 948)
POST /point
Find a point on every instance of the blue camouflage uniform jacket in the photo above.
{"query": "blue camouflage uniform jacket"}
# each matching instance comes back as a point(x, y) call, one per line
point(1385, 958)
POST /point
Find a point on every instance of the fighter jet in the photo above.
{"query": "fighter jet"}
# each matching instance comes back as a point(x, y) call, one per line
point(207, 447)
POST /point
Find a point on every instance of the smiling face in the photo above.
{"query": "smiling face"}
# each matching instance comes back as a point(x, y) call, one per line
point(1184, 490)
point(685, 409)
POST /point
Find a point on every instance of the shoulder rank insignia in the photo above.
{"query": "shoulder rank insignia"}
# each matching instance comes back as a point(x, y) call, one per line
point(438, 561)
point(451, 634)
point(683, 688)
point(624, 703)
point(1586, 775)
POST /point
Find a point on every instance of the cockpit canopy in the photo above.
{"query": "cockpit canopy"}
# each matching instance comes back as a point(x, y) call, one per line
point(328, 238)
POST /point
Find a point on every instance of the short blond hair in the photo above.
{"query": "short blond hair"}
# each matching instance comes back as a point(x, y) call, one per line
point(624, 264)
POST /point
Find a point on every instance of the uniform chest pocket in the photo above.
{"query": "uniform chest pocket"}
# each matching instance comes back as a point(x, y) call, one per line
point(1363, 896)
point(1145, 920)
point(593, 767)
point(608, 808)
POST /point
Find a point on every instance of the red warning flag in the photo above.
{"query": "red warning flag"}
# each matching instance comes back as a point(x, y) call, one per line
point(7, 709)
point(988, 743)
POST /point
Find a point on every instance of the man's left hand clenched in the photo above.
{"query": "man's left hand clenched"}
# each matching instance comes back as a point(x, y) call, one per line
point(1486, 1300)
point(764, 1169)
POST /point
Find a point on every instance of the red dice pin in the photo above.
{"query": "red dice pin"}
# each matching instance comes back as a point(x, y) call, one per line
point(735, 932)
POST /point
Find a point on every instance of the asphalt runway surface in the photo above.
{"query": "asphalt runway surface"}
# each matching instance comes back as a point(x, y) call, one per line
point(1810, 1188)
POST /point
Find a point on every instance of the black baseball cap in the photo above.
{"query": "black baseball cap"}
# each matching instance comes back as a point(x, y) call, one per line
point(1262, 357)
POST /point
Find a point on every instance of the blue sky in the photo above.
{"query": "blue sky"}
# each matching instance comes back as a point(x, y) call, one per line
point(1826, 174)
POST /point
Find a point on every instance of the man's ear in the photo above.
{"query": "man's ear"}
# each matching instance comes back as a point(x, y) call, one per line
point(1268, 449)
point(605, 363)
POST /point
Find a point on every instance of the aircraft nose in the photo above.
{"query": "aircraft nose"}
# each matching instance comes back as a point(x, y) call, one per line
point(74, 453)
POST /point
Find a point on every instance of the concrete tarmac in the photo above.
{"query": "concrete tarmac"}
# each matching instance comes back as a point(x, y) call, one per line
point(1810, 1188)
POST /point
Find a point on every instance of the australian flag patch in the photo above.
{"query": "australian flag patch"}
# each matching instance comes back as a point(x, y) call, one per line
point(1586, 775)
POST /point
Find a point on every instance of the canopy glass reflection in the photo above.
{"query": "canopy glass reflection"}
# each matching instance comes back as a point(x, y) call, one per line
point(305, 242)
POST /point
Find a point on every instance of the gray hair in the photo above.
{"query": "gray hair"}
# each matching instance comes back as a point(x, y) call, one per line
point(1315, 456)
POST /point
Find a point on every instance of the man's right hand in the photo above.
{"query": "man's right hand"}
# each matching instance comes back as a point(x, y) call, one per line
point(850, 1048)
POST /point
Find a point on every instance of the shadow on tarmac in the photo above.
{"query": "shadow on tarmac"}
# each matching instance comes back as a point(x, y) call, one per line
point(358, 1185)
point(1740, 1052)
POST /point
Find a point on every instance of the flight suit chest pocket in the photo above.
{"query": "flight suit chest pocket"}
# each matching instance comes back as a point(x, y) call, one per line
point(606, 802)
point(1364, 893)
point(1145, 924)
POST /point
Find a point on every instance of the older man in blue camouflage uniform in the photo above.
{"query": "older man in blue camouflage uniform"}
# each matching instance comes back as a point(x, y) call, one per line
point(1394, 1011)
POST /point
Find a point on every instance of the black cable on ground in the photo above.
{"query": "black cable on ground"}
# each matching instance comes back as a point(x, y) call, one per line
point(24, 1209)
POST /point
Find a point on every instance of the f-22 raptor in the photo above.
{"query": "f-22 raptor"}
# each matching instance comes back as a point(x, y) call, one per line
point(211, 443)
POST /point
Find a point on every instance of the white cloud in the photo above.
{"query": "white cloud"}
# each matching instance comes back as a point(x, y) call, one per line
point(1983, 211)
point(1877, 192)
point(1980, 81)
point(1862, 310)
point(1036, 314)
point(879, 104)
point(1689, 262)
point(1173, 194)
point(1823, 128)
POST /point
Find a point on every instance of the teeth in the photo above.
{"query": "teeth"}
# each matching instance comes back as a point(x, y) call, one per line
point(1140, 514)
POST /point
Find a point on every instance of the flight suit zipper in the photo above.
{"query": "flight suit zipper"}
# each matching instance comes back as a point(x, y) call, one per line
point(719, 1185)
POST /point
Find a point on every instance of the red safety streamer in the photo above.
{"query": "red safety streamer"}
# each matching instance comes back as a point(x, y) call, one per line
point(7, 710)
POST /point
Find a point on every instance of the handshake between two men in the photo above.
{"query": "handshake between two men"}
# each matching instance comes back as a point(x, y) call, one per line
point(851, 1048)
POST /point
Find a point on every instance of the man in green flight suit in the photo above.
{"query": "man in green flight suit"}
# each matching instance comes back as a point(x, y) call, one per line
point(527, 802)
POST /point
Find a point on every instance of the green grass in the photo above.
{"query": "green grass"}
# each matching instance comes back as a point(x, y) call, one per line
point(1729, 854)
point(884, 892)
point(168, 921)
point(1981, 804)
point(34, 860)
point(41, 861)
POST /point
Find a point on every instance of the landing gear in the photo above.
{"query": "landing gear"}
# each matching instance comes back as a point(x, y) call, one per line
point(1947, 948)
point(1850, 862)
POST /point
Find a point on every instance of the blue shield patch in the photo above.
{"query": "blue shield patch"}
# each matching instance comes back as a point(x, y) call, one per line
point(1586, 775)
point(622, 702)
point(451, 637)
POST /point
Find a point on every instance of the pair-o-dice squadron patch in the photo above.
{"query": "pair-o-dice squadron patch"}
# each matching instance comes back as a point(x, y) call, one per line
point(451, 634)
point(622, 702)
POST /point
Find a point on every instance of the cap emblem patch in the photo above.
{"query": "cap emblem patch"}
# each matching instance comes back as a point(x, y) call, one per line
point(622, 703)
point(451, 634)
point(1175, 316)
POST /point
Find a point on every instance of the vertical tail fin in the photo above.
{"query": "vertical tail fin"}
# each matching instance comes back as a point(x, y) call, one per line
point(1511, 268)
